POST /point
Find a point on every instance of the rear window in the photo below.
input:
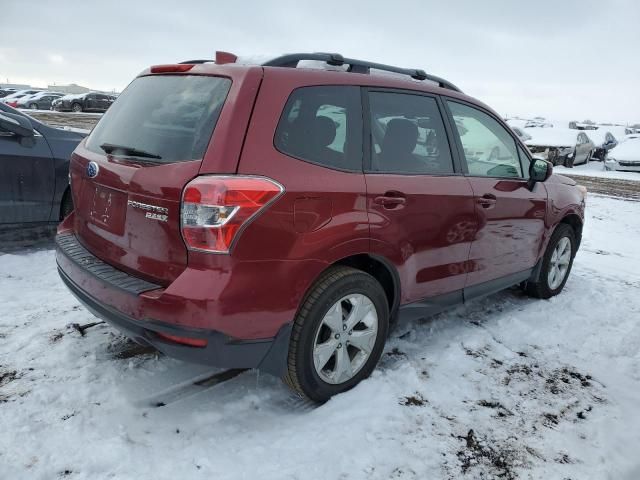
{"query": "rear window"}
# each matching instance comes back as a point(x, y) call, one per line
point(167, 116)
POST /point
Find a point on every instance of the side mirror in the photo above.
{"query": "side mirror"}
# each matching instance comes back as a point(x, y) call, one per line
point(16, 124)
point(539, 171)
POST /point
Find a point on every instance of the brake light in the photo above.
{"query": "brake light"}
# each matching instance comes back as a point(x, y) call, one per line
point(180, 67)
point(216, 208)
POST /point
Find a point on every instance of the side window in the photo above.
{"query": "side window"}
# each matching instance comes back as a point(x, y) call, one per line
point(323, 125)
point(489, 148)
point(408, 135)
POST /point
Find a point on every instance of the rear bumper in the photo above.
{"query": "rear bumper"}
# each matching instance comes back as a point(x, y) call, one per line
point(88, 279)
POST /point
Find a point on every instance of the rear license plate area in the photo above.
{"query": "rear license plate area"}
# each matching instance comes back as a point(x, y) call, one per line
point(107, 208)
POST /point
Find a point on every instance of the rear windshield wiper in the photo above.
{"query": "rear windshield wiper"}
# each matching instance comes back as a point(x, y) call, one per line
point(127, 151)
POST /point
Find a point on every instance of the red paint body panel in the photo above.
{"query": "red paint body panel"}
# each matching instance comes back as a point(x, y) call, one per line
point(512, 227)
point(428, 238)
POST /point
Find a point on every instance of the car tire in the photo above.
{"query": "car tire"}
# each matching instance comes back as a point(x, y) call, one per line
point(76, 107)
point(33, 106)
point(323, 359)
point(569, 159)
point(556, 258)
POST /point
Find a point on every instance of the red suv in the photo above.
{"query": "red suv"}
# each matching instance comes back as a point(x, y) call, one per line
point(281, 218)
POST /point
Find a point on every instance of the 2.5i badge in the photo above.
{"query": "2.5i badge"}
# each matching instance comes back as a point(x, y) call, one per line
point(153, 212)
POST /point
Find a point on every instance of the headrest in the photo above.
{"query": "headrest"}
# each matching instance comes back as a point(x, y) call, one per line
point(401, 136)
point(324, 131)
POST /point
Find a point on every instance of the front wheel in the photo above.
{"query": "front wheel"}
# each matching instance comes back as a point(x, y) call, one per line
point(33, 106)
point(76, 107)
point(556, 264)
point(569, 159)
point(338, 334)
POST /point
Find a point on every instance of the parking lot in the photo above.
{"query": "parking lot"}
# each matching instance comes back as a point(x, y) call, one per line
point(84, 121)
point(507, 387)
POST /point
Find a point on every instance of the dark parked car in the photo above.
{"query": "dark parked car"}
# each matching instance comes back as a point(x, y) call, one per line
point(34, 173)
point(12, 100)
point(245, 215)
point(39, 101)
point(6, 91)
point(85, 102)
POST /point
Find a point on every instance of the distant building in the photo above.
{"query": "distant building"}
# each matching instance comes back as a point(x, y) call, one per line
point(17, 86)
point(72, 88)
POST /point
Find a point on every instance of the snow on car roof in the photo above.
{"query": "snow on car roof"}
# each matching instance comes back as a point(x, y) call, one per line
point(629, 150)
point(618, 131)
point(552, 136)
point(598, 136)
point(516, 122)
point(73, 96)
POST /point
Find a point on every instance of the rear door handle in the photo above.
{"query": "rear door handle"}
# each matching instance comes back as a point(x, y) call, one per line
point(488, 200)
point(391, 199)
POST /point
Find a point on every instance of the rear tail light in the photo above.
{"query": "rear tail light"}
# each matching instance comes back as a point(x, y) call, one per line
point(215, 209)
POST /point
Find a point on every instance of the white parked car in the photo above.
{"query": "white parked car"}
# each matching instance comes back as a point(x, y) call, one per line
point(522, 134)
point(560, 146)
point(625, 156)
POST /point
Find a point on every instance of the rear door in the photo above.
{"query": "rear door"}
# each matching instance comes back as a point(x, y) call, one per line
point(510, 216)
point(90, 102)
point(128, 177)
point(421, 211)
point(101, 102)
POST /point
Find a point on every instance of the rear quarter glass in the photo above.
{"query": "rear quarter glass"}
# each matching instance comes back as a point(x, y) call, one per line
point(169, 116)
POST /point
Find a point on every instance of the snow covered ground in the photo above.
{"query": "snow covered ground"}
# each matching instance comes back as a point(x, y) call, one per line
point(596, 169)
point(506, 387)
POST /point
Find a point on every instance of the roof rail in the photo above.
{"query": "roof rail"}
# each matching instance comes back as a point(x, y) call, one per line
point(194, 62)
point(356, 66)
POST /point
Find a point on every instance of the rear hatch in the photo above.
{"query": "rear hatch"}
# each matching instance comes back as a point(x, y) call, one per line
point(127, 177)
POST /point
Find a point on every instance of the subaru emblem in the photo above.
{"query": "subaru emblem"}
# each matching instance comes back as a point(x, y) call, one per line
point(92, 170)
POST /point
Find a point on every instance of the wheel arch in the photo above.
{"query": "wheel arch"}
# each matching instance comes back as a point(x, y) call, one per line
point(65, 196)
point(382, 270)
point(575, 222)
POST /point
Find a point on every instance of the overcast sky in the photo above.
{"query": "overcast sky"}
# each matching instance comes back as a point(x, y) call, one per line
point(562, 59)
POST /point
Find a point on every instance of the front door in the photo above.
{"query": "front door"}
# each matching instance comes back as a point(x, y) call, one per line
point(421, 212)
point(27, 179)
point(511, 218)
point(583, 149)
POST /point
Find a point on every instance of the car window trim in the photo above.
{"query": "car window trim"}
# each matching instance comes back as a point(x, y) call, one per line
point(366, 137)
point(458, 141)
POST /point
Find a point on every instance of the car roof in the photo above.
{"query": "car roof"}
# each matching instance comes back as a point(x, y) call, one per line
point(318, 76)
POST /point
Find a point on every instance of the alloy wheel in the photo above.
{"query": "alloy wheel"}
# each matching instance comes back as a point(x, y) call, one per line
point(345, 338)
point(559, 263)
